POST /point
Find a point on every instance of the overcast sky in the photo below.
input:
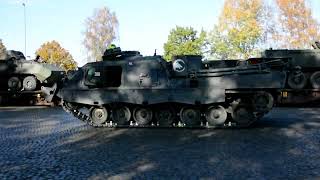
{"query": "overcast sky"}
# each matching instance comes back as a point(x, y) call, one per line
point(144, 24)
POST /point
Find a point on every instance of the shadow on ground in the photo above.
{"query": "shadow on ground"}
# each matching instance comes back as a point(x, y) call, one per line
point(51, 144)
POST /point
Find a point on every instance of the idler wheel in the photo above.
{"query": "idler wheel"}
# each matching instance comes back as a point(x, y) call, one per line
point(263, 102)
point(121, 115)
point(243, 115)
point(165, 117)
point(190, 116)
point(216, 115)
point(142, 115)
point(315, 80)
point(297, 80)
point(14, 84)
point(29, 83)
point(99, 115)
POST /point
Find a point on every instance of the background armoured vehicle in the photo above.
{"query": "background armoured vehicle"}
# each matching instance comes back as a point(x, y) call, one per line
point(127, 89)
point(303, 73)
point(21, 76)
point(303, 69)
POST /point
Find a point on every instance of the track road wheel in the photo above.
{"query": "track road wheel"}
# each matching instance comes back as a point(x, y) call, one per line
point(14, 84)
point(297, 80)
point(121, 115)
point(315, 80)
point(142, 115)
point(262, 102)
point(243, 116)
point(216, 115)
point(29, 83)
point(190, 116)
point(98, 115)
point(165, 117)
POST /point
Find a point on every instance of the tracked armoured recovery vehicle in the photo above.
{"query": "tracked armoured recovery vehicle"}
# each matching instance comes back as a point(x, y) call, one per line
point(21, 77)
point(129, 90)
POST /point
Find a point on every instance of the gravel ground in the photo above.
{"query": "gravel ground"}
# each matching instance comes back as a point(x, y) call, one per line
point(47, 143)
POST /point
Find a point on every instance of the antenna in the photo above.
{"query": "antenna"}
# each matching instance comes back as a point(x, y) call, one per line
point(155, 52)
point(25, 29)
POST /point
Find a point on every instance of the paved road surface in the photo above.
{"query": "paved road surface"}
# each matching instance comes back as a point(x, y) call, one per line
point(48, 143)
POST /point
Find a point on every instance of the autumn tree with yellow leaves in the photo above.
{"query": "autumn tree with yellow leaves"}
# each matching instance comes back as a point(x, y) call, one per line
point(239, 30)
point(53, 53)
point(246, 27)
point(297, 27)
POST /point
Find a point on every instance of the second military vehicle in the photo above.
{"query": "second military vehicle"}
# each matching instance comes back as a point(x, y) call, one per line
point(21, 77)
point(19, 74)
point(303, 73)
point(126, 89)
point(303, 65)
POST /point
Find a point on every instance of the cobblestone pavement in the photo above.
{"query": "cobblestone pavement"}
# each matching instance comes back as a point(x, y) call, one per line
point(47, 143)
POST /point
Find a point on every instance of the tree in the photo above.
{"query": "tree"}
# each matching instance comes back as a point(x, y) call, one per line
point(298, 29)
point(184, 41)
point(101, 31)
point(239, 30)
point(53, 53)
point(3, 50)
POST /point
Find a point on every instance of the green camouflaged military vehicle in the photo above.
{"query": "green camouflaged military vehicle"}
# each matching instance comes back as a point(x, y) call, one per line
point(19, 74)
point(127, 89)
point(303, 73)
point(303, 65)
